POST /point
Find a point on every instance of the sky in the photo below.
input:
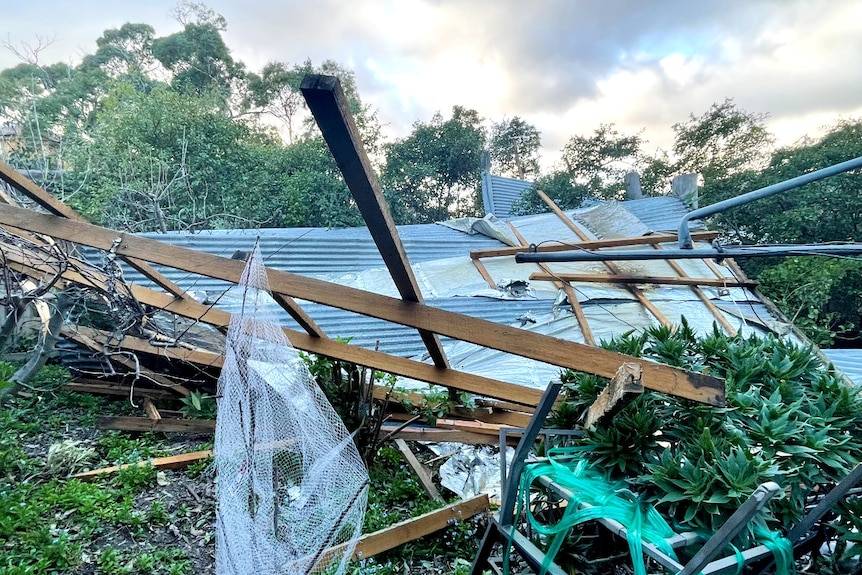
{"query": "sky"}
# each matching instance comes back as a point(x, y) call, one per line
point(564, 66)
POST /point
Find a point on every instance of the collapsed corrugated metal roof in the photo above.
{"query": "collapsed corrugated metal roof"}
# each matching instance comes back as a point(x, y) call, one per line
point(492, 288)
point(847, 361)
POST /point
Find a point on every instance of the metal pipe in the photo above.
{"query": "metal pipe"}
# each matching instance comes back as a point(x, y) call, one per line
point(736, 252)
point(684, 233)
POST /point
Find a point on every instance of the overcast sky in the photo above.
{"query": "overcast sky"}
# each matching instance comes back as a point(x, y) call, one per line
point(563, 65)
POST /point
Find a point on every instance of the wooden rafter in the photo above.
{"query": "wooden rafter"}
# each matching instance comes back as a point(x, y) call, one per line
point(504, 338)
point(592, 244)
point(574, 303)
point(628, 280)
point(614, 269)
point(328, 105)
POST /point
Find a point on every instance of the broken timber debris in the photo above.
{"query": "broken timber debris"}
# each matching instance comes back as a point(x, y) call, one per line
point(625, 385)
point(170, 462)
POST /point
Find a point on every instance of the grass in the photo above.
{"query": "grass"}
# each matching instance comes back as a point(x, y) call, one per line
point(135, 521)
point(51, 524)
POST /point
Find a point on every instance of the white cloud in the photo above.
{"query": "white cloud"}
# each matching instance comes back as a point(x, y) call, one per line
point(562, 65)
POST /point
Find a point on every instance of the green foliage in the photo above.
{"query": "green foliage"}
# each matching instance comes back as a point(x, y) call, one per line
point(199, 405)
point(514, 149)
point(434, 173)
point(6, 372)
point(788, 419)
point(812, 292)
point(599, 162)
point(725, 140)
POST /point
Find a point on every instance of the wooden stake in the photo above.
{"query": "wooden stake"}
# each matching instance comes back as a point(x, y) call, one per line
point(171, 462)
point(419, 469)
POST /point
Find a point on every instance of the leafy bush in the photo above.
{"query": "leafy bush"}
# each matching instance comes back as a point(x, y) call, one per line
point(788, 419)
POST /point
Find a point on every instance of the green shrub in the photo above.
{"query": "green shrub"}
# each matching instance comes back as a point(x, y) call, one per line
point(788, 419)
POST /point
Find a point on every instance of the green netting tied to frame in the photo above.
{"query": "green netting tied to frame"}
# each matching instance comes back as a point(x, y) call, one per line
point(291, 485)
point(594, 496)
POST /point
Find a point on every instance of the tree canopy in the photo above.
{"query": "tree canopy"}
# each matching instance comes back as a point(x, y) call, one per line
point(154, 132)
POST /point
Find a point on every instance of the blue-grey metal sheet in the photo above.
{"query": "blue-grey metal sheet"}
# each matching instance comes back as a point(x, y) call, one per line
point(499, 193)
point(848, 362)
point(310, 251)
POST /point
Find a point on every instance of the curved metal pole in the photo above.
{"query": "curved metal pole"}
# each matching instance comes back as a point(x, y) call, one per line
point(684, 233)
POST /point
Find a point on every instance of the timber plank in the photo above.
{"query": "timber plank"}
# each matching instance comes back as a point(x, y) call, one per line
point(412, 433)
point(131, 423)
point(627, 279)
point(411, 529)
point(171, 462)
point(104, 388)
point(419, 469)
point(328, 105)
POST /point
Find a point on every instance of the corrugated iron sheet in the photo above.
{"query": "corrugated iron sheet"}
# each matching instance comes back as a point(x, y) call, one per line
point(847, 361)
point(499, 193)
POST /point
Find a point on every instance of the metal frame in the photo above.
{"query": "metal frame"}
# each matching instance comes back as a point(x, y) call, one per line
point(502, 527)
point(685, 245)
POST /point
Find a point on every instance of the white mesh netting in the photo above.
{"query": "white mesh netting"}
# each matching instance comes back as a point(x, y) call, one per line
point(290, 482)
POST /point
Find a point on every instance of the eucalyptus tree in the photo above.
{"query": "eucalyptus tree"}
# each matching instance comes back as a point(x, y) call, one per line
point(514, 148)
point(434, 173)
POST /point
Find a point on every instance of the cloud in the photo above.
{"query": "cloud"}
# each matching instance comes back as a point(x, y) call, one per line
point(564, 65)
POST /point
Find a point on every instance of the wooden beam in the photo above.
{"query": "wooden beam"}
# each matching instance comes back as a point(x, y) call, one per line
point(411, 433)
point(471, 426)
point(151, 409)
point(574, 303)
point(156, 277)
point(130, 423)
point(299, 315)
point(614, 269)
point(328, 105)
point(171, 462)
point(627, 279)
point(559, 352)
point(592, 244)
point(419, 469)
point(411, 529)
point(81, 385)
point(33, 191)
point(483, 271)
point(562, 216)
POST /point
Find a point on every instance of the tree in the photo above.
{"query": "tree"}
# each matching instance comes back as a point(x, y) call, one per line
point(826, 211)
point(163, 160)
point(198, 59)
point(599, 162)
point(559, 187)
point(514, 148)
point(722, 142)
point(434, 173)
